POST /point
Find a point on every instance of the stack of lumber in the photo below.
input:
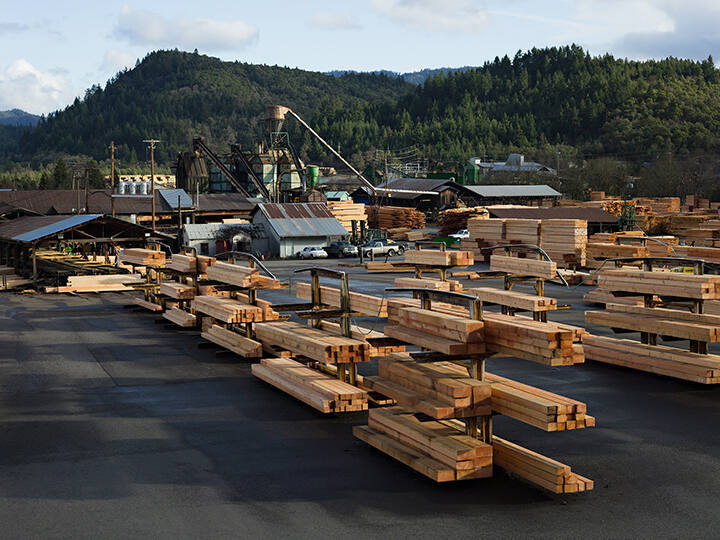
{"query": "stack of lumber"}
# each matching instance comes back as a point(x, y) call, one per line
point(680, 223)
point(602, 296)
point(322, 392)
point(514, 299)
point(599, 251)
point(456, 219)
point(178, 291)
point(433, 257)
point(440, 452)
point(547, 343)
point(203, 263)
point(409, 235)
point(597, 195)
point(182, 263)
point(12, 280)
point(442, 332)
point(392, 217)
point(229, 310)
point(523, 266)
point(359, 303)
point(676, 284)
point(564, 240)
point(100, 283)
point(240, 276)
point(366, 335)
point(142, 257)
point(141, 302)
point(490, 231)
point(709, 254)
point(523, 231)
point(538, 469)
point(232, 341)
point(180, 317)
point(312, 342)
point(383, 266)
point(659, 359)
point(346, 212)
point(423, 283)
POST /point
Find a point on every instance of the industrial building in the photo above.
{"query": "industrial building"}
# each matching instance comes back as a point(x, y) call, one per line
point(515, 163)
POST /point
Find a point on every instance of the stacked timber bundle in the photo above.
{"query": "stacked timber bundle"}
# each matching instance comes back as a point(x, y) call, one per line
point(203, 263)
point(346, 212)
point(424, 283)
point(599, 251)
point(523, 266)
point(177, 291)
point(433, 257)
point(408, 235)
point(231, 311)
point(232, 341)
point(142, 257)
point(487, 231)
point(360, 303)
point(183, 263)
point(240, 276)
point(392, 217)
point(524, 231)
point(564, 240)
point(181, 317)
point(681, 223)
point(709, 254)
point(514, 299)
point(597, 195)
point(455, 219)
point(366, 335)
point(319, 390)
point(104, 283)
point(699, 329)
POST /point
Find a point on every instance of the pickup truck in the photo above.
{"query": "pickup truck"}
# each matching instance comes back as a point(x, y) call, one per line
point(383, 247)
point(341, 249)
point(462, 233)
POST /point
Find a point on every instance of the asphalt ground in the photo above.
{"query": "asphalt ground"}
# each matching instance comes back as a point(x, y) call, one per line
point(115, 426)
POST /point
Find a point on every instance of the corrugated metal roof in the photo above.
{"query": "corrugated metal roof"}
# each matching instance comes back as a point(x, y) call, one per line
point(171, 197)
point(514, 191)
point(417, 184)
point(208, 231)
point(301, 220)
point(597, 215)
point(31, 228)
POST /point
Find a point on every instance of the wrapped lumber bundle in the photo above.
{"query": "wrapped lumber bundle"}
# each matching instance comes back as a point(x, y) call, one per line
point(142, 257)
point(433, 257)
point(240, 276)
point(522, 231)
point(229, 310)
point(177, 291)
point(232, 341)
point(424, 283)
point(312, 343)
point(180, 317)
point(564, 240)
point(491, 231)
point(321, 391)
point(661, 283)
point(391, 217)
point(182, 263)
point(346, 212)
point(434, 449)
point(455, 219)
point(538, 469)
point(360, 303)
point(109, 283)
point(523, 266)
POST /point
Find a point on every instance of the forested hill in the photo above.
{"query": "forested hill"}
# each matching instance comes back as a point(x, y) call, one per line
point(535, 103)
point(544, 98)
point(174, 96)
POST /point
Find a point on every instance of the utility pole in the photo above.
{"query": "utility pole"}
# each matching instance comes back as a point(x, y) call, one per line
point(112, 177)
point(152, 143)
point(87, 197)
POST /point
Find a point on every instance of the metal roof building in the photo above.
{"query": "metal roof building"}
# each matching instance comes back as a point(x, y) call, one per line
point(292, 227)
point(513, 191)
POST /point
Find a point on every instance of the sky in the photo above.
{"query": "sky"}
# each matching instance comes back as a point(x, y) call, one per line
point(51, 51)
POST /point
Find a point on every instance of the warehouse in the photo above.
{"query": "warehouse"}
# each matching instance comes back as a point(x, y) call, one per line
point(526, 194)
point(421, 193)
point(292, 227)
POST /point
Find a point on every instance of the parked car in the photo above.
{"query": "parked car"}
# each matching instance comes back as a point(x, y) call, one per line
point(312, 253)
point(341, 249)
point(383, 247)
point(462, 233)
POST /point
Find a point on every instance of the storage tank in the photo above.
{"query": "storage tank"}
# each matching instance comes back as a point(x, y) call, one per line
point(122, 188)
point(313, 171)
point(132, 188)
point(142, 188)
point(275, 116)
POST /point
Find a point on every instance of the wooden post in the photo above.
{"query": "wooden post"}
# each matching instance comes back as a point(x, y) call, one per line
point(112, 177)
point(34, 265)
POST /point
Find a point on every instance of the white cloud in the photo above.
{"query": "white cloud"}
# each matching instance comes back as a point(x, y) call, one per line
point(141, 27)
point(434, 15)
point(114, 60)
point(12, 27)
point(333, 21)
point(25, 87)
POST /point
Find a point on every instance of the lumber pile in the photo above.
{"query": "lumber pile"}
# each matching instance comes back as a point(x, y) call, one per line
point(523, 266)
point(408, 235)
point(538, 469)
point(424, 283)
point(392, 217)
point(490, 231)
point(523, 231)
point(514, 299)
point(601, 296)
point(360, 303)
point(180, 317)
point(564, 240)
point(232, 341)
point(177, 291)
point(346, 212)
point(382, 266)
point(99, 283)
point(312, 342)
point(141, 302)
point(238, 275)
point(321, 391)
point(366, 335)
point(661, 283)
point(230, 311)
point(204, 262)
point(435, 257)
point(183, 263)
point(142, 257)
point(455, 219)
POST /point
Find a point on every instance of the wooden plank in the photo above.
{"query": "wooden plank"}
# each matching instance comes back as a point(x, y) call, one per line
point(515, 299)
point(241, 345)
point(524, 267)
point(180, 317)
point(360, 303)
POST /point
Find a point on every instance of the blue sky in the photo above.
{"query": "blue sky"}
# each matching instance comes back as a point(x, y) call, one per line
point(52, 51)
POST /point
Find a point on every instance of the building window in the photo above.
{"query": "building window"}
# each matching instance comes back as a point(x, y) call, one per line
point(204, 248)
